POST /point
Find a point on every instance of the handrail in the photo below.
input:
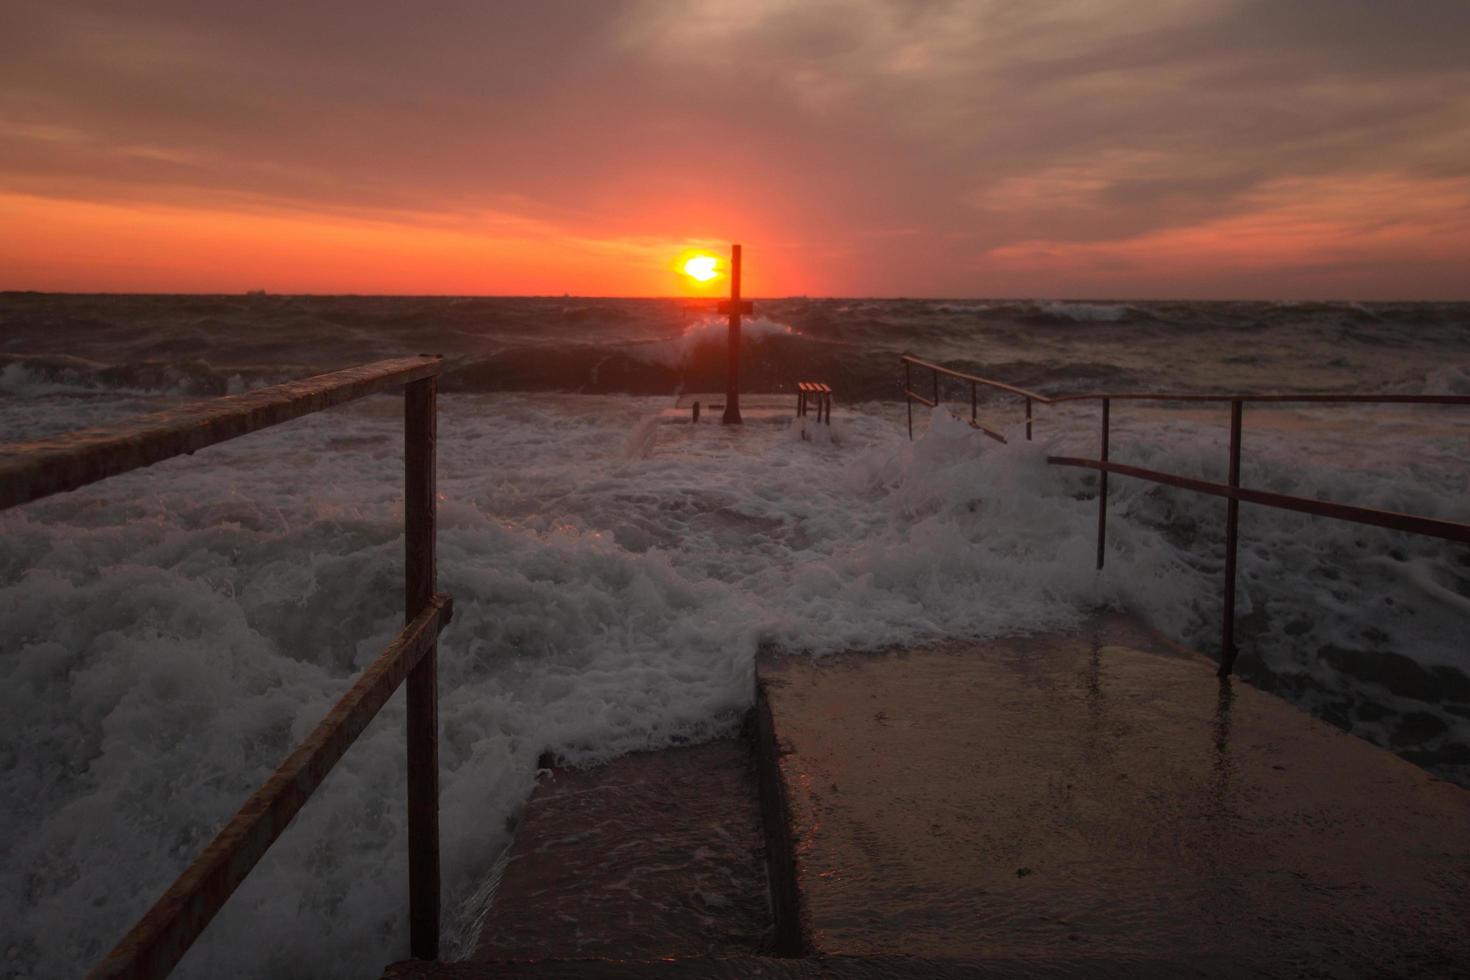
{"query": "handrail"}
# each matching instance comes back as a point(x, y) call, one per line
point(1431, 527)
point(1232, 491)
point(988, 382)
point(914, 395)
point(1331, 399)
point(160, 938)
point(1161, 396)
point(31, 471)
point(911, 396)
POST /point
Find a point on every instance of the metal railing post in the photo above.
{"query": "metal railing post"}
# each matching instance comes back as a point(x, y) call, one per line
point(936, 389)
point(419, 437)
point(732, 357)
point(974, 403)
point(1028, 420)
point(1232, 527)
point(1102, 488)
point(908, 400)
point(157, 941)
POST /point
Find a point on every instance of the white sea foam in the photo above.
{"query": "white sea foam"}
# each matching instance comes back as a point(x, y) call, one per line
point(171, 633)
point(1086, 312)
point(705, 332)
point(17, 378)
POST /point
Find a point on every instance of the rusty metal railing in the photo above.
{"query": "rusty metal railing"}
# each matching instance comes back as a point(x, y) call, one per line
point(30, 471)
point(1231, 490)
point(975, 382)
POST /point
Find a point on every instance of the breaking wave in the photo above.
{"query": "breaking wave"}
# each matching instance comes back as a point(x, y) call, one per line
point(167, 635)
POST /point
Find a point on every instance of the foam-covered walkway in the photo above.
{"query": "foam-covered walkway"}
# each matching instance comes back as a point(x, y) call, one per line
point(1090, 803)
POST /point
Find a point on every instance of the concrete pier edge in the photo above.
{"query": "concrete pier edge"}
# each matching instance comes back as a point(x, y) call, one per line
point(789, 932)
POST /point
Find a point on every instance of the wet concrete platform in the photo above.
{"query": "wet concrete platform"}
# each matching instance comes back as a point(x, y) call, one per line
point(657, 854)
point(1090, 803)
point(1099, 798)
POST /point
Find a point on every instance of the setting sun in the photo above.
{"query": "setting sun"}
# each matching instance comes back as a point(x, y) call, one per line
point(700, 267)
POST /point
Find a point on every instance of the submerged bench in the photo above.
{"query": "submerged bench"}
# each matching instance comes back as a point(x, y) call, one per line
point(809, 391)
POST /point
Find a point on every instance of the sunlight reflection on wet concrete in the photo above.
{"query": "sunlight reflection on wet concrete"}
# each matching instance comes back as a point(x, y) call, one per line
point(1098, 795)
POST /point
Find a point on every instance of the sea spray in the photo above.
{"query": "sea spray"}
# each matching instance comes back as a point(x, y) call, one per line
point(168, 635)
point(171, 633)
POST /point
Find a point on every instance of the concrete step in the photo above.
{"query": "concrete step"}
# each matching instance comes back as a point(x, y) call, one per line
point(812, 968)
point(657, 854)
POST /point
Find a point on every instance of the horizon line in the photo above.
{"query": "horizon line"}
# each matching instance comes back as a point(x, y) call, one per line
point(266, 294)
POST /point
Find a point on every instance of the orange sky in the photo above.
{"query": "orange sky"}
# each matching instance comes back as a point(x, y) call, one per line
point(1100, 148)
point(143, 247)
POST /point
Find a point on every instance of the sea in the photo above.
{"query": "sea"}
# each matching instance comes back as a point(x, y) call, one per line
point(168, 635)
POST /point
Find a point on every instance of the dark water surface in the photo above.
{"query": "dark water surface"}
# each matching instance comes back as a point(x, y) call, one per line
point(203, 344)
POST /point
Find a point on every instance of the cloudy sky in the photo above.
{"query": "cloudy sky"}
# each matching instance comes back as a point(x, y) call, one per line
point(1058, 148)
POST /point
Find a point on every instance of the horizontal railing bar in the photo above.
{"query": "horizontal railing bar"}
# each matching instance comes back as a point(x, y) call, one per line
point(975, 378)
point(32, 470)
point(972, 423)
point(920, 398)
point(1193, 396)
point(1329, 399)
point(165, 933)
point(1429, 526)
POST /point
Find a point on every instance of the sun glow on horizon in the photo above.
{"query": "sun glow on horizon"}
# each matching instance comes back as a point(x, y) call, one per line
point(701, 268)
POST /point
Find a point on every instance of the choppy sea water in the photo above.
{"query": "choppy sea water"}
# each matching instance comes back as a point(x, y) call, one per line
point(168, 635)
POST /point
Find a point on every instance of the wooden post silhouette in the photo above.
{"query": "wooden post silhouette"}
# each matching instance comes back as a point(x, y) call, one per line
point(735, 307)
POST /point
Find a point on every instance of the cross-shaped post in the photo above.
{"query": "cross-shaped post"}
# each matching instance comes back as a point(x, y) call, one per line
point(735, 307)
